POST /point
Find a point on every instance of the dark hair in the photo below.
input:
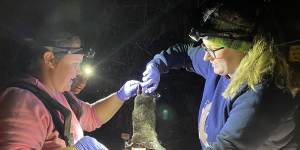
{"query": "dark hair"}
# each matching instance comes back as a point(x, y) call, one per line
point(57, 39)
point(250, 17)
point(18, 57)
point(36, 47)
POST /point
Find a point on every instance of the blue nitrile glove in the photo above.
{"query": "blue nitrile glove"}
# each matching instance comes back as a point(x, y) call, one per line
point(151, 78)
point(129, 89)
point(89, 143)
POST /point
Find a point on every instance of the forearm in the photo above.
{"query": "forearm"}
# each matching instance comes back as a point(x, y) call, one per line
point(107, 107)
point(175, 57)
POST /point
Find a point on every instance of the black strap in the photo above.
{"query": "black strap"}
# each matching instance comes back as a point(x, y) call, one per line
point(75, 106)
point(53, 107)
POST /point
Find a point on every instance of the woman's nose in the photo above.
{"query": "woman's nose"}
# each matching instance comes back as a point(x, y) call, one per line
point(207, 57)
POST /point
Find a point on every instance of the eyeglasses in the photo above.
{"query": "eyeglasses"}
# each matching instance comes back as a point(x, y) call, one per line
point(211, 52)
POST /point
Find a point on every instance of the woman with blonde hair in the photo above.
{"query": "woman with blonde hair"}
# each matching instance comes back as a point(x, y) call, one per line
point(246, 103)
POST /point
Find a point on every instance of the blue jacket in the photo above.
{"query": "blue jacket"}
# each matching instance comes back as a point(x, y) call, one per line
point(252, 120)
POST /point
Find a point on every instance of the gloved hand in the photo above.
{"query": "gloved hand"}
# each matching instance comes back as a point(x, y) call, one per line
point(151, 78)
point(89, 143)
point(128, 90)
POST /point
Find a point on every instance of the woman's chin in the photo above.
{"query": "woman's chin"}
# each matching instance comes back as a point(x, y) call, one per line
point(218, 71)
point(67, 88)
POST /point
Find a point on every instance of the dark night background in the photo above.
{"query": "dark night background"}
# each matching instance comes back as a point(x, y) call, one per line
point(126, 34)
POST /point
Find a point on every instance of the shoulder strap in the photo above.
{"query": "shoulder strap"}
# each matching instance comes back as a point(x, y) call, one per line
point(75, 106)
point(53, 107)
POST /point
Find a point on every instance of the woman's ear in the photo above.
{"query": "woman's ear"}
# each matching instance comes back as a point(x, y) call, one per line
point(48, 59)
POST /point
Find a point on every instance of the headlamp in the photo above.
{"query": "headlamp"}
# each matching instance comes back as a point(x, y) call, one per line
point(197, 35)
point(232, 40)
point(87, 69)
point(62, 44)
point(88, 53)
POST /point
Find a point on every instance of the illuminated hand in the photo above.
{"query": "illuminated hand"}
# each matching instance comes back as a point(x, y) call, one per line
point(129, 89)
point(151, 78)
point(89, 143)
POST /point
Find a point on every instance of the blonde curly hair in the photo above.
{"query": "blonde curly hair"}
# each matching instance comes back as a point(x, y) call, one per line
point(261, 60)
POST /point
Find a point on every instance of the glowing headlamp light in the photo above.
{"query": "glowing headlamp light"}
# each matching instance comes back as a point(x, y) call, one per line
point(87, 70)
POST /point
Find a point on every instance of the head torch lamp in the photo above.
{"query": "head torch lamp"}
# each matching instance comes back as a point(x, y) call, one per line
point(197, 36)
point(89, 53)
point(87, 69)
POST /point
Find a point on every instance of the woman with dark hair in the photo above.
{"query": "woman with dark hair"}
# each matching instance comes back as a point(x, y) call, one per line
point(34, 113)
